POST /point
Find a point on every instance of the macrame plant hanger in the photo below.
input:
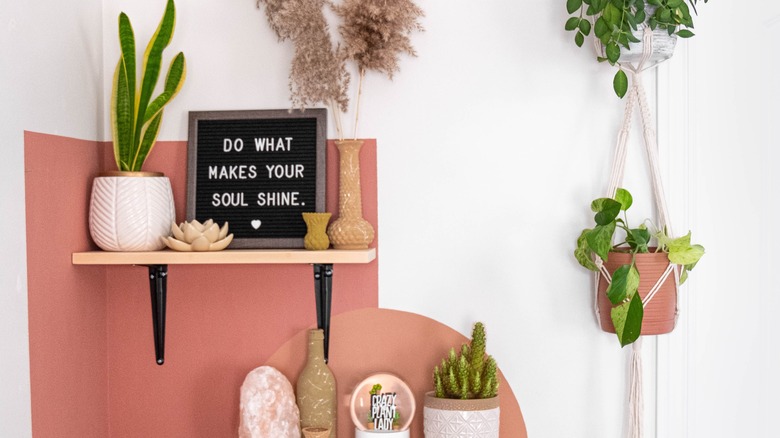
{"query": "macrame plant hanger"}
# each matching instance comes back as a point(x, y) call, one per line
point(637, 95)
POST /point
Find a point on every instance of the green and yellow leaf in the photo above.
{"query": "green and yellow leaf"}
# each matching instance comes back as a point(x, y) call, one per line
point(627, 319)
point(600, 239)
point(147, 143)
point(688, 256)
point(625, 199)
point(583, 253)
point(173, 83)
point(625, 281)
point(152, 65)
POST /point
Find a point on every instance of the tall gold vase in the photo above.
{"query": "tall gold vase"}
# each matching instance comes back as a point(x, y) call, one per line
point(316, 388)
point(350, 230)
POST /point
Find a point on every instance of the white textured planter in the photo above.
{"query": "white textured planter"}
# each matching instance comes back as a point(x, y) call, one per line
point(381, 433)
point(131, 211)
point(448, 418)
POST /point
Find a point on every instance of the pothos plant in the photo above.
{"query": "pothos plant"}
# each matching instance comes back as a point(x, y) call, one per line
point(614, 21)
point(627, 313)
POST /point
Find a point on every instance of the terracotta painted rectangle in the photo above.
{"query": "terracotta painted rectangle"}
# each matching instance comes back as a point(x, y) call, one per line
point(93, 372)
point(67, 304)
point(223, 321)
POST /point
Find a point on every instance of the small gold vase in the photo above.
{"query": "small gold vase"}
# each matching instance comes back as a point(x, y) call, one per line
point(350, 230)
point(316, 239)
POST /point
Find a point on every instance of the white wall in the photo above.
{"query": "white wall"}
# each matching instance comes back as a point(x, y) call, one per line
point(718, 372)
point(50, 70)
point(491, 143)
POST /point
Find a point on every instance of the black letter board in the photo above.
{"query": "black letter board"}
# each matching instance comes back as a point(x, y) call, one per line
point(257, 170)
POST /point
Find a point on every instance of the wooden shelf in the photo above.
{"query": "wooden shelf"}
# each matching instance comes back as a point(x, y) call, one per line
point(228, 256)
point(157, 263)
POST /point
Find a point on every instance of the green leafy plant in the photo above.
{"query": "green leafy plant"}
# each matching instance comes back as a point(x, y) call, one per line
point(470, 374)
point(613, 23)
point(627, 313)
point(135, 116)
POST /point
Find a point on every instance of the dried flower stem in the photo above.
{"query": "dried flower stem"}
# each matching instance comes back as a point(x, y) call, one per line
point(375, 33)
point(357, 100)
point(336, 118)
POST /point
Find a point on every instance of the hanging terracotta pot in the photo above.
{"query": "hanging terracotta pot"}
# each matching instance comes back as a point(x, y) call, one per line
point(350, 230)
point(131, 211)
point(660, 312)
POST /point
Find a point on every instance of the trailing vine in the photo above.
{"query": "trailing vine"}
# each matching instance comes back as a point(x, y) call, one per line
point(613, 22)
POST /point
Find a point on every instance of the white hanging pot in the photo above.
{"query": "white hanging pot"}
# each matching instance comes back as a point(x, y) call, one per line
point(662, 44)
point(131, 211)
point(450, 418)
point(663, 47)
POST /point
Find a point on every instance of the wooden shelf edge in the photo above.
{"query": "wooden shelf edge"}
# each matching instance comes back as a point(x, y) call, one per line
point(228, 256)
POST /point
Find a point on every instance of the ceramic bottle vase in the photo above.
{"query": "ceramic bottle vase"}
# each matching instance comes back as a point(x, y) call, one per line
point(316, 239)
point(350, 230)
point(316, 388)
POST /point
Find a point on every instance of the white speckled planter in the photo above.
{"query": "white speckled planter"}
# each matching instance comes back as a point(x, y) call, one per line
point(131, 211)
point(448, 418)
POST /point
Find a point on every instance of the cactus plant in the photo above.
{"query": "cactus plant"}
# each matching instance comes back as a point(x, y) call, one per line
point(470, 374)
point(135, 116)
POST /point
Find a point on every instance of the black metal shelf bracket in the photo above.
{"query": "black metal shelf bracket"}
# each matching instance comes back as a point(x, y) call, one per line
point(158, 285)
point(323, 293)
point(158, 288)
point(157, 265)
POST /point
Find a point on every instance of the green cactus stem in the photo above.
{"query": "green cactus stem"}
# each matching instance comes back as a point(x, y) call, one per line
point(469, 375)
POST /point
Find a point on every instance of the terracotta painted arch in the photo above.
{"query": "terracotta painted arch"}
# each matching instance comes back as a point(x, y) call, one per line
point(366, 341)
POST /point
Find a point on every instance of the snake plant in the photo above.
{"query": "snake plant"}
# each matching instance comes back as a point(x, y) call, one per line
point(135, 116)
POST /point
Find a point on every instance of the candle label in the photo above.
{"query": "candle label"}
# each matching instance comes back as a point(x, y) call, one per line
point(384, 412)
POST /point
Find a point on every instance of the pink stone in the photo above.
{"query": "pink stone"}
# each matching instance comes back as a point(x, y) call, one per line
point(268, 408)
